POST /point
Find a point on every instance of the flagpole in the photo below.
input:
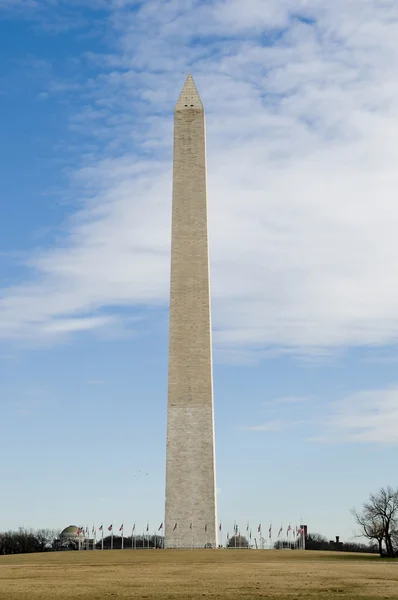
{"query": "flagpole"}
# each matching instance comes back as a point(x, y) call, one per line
point(301, 533)
point(175, 528)
point(122, 537)
point(112, 537)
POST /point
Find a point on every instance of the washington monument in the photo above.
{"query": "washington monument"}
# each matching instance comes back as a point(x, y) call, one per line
point(190, 519)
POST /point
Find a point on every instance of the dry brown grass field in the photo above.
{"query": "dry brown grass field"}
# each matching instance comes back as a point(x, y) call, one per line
point(221, 574)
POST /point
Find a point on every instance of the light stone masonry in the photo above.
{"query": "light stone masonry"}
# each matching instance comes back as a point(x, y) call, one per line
point(190, 519)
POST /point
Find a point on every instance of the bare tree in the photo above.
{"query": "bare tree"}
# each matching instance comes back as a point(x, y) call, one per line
point(237, 541)
point(378, 519)
point(371, 528)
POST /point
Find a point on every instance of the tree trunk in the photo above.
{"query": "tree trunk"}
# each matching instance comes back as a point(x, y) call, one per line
point(390, 550)
point(380, 547)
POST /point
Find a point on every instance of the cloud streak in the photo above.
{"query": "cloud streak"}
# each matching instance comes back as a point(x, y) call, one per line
point(366, 416)
point(301, 104)
point(369, 416)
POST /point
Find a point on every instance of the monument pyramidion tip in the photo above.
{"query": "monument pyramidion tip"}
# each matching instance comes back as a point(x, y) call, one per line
point(189, 97)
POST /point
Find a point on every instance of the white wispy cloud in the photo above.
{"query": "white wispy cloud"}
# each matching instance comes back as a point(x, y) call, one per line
point(302, 105)
point(273, 425)
point(284, 413)
point(288, 401)
point(366, 416)
point(369, 416)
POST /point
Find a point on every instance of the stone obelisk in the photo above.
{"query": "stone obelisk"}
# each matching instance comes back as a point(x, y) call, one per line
point(190, 520)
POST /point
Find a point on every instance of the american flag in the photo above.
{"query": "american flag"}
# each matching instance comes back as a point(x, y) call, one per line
point(110, 527)
point(121, 527)
point(160, 526)
point(100, 529)
point(259, 528)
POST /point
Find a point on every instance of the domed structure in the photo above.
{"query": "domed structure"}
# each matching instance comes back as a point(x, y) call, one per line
point(72, 538)
point(72, 533)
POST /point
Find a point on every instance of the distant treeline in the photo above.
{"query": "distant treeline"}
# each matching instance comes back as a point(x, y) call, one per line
point(138, 541)
point(25, 541)
point(316, 541)
point(46, 540)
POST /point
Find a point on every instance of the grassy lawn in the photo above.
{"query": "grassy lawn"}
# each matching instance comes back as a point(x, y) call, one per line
point(169, 574)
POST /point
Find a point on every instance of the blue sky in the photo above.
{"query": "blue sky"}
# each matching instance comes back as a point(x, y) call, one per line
point(301, 107)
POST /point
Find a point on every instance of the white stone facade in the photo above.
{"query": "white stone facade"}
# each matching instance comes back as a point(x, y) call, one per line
point(190, 519)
